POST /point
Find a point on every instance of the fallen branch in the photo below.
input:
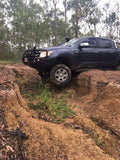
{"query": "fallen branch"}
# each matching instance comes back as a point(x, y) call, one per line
point(21, 136)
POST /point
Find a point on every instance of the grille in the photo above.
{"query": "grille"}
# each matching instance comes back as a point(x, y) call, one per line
point(33, 56)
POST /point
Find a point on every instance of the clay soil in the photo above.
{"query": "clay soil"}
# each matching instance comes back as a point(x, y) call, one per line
point(93, 134)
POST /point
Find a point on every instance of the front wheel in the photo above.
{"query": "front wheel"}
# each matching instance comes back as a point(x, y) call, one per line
point(42, 75)
point(118, 68)
point(60, 75)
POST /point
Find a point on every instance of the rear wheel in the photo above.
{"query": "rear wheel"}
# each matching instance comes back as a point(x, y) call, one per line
point(60, 75)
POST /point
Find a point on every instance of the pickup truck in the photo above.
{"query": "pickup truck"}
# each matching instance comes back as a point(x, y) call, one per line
point(73, 55)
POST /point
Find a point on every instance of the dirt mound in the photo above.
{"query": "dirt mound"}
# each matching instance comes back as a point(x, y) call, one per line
point(98, 97)
point(44, 140)
point(103, 89)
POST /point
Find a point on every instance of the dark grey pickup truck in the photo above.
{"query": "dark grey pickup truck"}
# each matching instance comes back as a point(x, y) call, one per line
point(72, 56)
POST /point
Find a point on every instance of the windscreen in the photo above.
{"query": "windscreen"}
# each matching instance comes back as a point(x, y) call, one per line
point(72, 42)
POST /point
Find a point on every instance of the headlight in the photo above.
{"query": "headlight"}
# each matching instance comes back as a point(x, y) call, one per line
point(44, 54)
point(49, 53)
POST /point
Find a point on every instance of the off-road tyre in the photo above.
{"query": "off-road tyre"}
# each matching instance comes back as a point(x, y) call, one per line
point(60, 75)
point(117, 68)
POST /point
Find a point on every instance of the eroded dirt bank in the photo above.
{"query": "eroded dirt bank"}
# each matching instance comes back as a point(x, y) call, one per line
point(96, 131)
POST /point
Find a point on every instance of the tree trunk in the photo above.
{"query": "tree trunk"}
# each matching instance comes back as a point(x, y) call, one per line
point(66, 29)
point(76, 19)
point(55, 20)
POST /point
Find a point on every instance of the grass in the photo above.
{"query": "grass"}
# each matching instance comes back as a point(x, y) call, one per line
point(9, 61)
point(6, 61)
point(96, 139)
point(118, 150)
point(93, 135)
point(44, 99)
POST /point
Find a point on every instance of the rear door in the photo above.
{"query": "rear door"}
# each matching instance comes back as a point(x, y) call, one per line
point(108, 52)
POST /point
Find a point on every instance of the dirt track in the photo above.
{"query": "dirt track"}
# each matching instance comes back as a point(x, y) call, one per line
point(96, 95)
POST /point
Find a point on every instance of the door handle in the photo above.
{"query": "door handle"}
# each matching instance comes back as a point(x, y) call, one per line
point(95, 52)
point(75, 51)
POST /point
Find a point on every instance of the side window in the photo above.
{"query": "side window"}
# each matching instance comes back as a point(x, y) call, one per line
point(104, 43)
point(117, 45)
point(92, 42)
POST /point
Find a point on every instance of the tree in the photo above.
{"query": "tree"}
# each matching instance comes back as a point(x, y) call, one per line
point(5, 49)
point(111, 21)
point(65, 15)
point(92, 15)
point(55, 2)
point(75, 6)
point(24, 23)
point(83, 13)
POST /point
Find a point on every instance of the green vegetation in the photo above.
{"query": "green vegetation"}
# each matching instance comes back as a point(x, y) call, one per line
point(93, 135)
point(96, 139)
point(118, 150)
point(47, 102)
point(6, 61)
point(10, 61)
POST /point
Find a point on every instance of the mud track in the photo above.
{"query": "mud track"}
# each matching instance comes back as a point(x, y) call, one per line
point(95, 134)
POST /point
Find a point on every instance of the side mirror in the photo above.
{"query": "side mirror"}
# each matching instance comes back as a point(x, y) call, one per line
point(84, 44)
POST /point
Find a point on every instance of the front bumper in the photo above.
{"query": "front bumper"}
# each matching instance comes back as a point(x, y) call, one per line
point(31, 58)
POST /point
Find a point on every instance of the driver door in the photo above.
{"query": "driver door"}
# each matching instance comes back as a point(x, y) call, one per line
point(88, 56)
